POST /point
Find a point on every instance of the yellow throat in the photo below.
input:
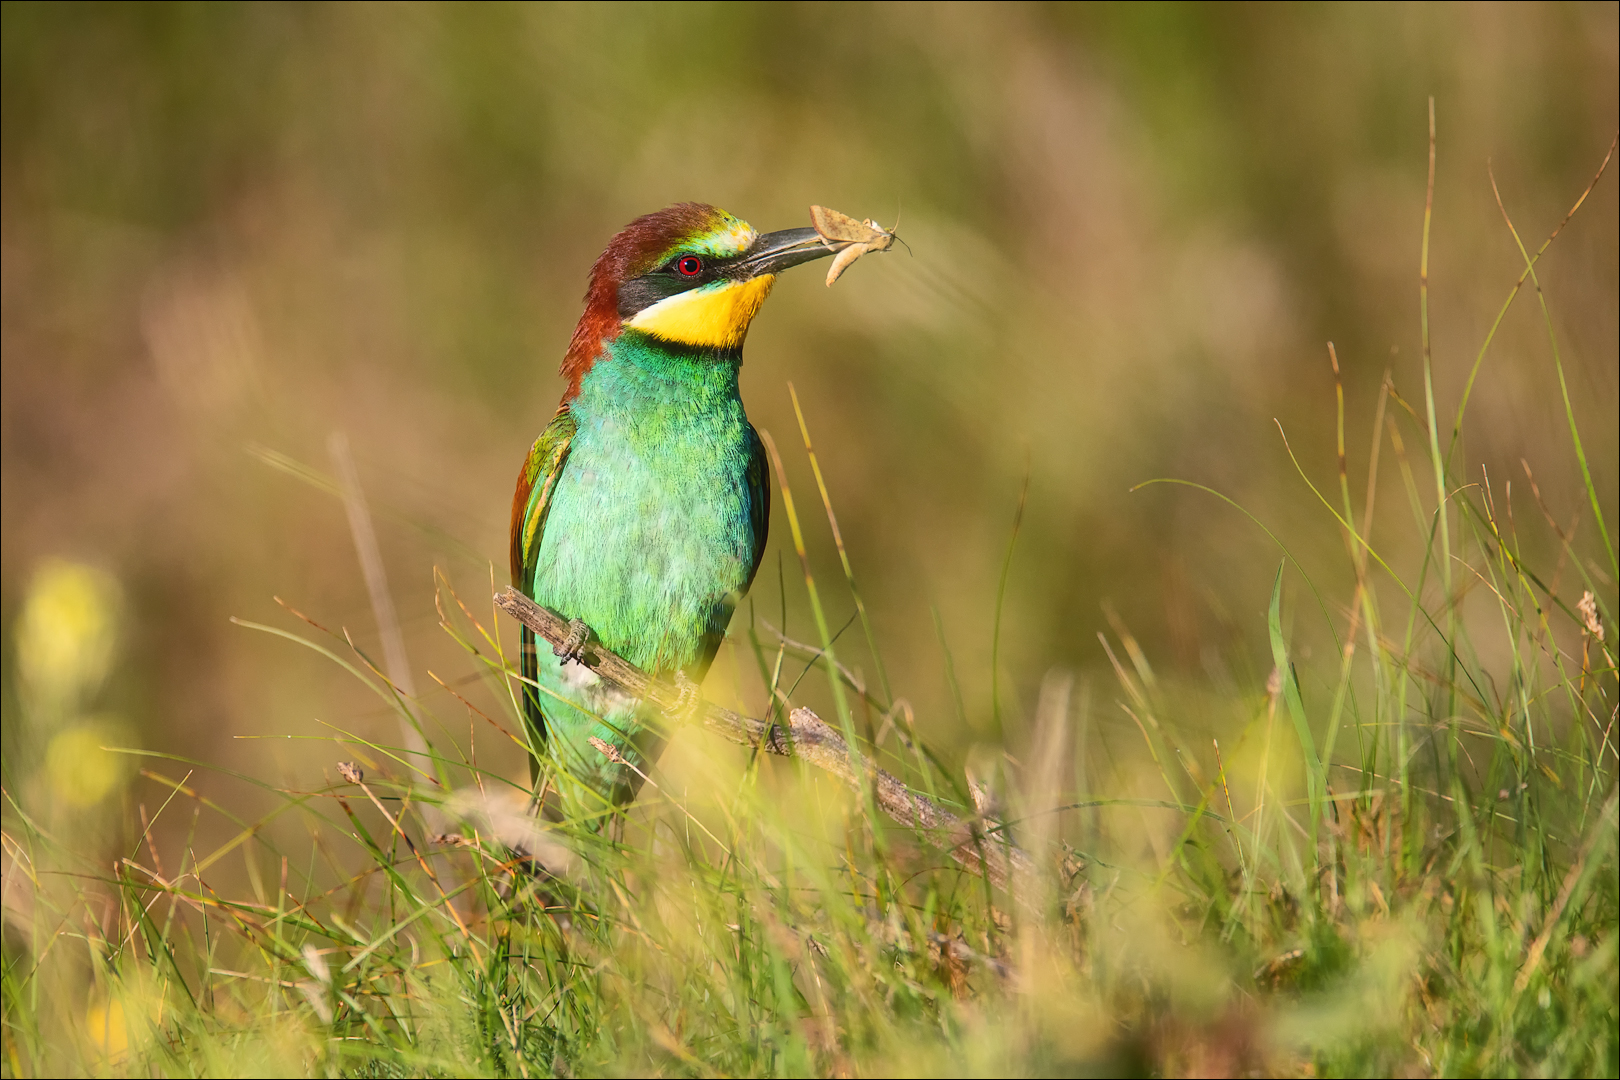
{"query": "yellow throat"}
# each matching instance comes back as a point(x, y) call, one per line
point(712, 317)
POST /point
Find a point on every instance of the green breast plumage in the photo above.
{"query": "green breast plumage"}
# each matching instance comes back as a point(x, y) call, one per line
point(648, 523)
point(650, 534)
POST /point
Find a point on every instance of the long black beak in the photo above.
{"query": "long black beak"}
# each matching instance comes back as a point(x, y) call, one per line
point(776, 251)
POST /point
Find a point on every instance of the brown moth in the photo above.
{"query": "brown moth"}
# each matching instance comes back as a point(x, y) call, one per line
point(855, 237)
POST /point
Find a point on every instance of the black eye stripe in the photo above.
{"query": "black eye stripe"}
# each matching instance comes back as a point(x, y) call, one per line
point(668, 280)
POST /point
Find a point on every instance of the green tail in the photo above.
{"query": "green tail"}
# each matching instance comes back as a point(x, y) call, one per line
point(534, 721)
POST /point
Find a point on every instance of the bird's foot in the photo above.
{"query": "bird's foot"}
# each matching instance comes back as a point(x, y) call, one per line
point(691, 695)
point(573, 646)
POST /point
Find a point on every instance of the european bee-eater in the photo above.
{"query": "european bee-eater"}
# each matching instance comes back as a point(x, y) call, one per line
point(642, 510)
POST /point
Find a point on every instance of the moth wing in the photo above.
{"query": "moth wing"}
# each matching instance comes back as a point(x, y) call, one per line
point(843, 260)
point(831, 225)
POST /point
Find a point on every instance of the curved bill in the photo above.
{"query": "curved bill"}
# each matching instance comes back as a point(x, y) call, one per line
point(774, 252)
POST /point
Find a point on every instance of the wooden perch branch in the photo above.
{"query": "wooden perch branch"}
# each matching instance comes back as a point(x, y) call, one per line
point(807, 737)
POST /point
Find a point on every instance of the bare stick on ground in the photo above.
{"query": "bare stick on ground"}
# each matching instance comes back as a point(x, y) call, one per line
point(804, 736)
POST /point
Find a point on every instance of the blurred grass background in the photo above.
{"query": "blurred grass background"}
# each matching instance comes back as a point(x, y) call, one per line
point(1135, 227)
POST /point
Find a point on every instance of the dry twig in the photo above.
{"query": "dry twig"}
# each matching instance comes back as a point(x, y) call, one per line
point(804, 736)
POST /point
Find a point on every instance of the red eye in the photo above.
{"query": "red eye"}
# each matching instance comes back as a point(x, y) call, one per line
point(690, 266)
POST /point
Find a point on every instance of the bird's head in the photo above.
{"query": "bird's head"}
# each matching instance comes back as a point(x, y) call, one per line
point(690, 275)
